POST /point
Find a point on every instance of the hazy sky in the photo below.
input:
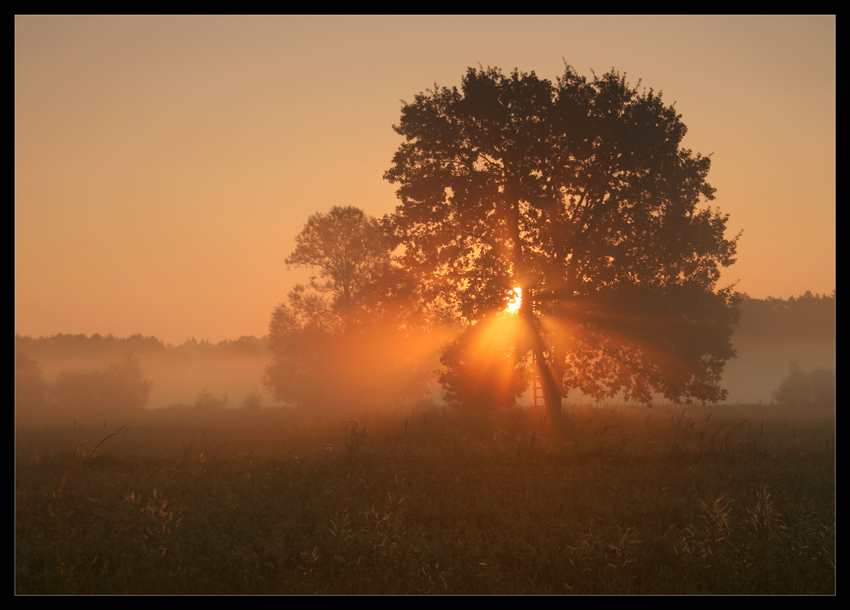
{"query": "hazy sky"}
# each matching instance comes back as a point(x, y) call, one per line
point(164, 165)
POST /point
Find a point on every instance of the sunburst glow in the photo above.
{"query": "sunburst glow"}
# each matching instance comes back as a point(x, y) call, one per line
point(515, 300)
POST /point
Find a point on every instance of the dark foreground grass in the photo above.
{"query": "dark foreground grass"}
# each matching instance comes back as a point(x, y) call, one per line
point(615, 501)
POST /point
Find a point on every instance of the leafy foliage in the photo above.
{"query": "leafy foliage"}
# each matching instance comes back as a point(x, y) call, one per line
point(80, 346)
point(252, 401)
point(800, 388)
point(207, 401)
point(806, 318)
point(344, 342)
point(580, 193)
point(349, 250)
point(120, 387)
point(483, 369)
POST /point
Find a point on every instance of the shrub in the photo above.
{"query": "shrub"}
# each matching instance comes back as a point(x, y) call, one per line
point(207, 401)
point(120, 387)
point(800, 388)
point(252, 401)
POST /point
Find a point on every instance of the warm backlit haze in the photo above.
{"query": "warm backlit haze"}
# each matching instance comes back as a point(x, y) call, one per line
point(231, 378)
point(515, 301)
point(164, 165)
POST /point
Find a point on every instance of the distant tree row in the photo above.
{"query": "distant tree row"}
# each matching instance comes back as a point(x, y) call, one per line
point(82, 347)
point(77, 346)
point(809, 317)
point(120, 387)
point(206, 402)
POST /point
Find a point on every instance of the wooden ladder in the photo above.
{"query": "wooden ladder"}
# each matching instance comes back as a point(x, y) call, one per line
point(536, 386)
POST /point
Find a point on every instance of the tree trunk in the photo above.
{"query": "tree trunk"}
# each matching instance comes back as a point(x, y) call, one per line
point(550, 379)
point(548, 382)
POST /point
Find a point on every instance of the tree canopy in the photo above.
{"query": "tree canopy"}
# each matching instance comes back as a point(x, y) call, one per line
point(120, 387)
point(345, 340)
point(349, 250)
point(579, 192)
point(798, 388)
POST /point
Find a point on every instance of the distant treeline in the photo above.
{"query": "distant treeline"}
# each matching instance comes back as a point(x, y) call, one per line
point(97, 346)
point(76, 375)
point(807, 318)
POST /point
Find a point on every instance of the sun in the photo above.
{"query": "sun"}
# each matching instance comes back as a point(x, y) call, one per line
point(515, 300)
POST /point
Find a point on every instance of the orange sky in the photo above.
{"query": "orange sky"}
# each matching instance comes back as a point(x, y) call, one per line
point(164, 165)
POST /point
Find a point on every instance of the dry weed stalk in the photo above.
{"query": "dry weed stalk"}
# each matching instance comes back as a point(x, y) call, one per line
point(85, 459)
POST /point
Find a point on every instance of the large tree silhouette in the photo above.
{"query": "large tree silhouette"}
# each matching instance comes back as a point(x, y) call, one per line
point(579, 192)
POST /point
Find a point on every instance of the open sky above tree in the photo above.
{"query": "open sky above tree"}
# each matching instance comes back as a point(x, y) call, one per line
point(164, 165)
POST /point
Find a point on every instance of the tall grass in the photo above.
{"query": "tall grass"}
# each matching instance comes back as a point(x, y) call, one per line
point(615, 500)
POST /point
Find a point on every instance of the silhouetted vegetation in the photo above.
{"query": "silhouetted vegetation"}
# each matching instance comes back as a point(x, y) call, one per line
point(252, 401)
point(118, 388)
point(578, 192)
point(179, 372)
point(617, 500)
point(798, 388)
point(807, 318)
point(348, 339)
point(483, 370)
point(82, 347)
point(773, 332)
point(208, 402)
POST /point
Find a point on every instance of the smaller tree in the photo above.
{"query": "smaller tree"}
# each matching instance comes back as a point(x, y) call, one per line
point(123, 385)
point(207, 401)
point(345, 340)
point(252, 401)
point(800, 388)
point(120, 387)
point(351, 253)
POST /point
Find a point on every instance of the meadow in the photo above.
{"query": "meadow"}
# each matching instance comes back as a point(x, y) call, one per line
point(613, 500)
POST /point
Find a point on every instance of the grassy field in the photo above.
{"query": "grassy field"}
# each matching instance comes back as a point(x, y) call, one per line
point(615, 500)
